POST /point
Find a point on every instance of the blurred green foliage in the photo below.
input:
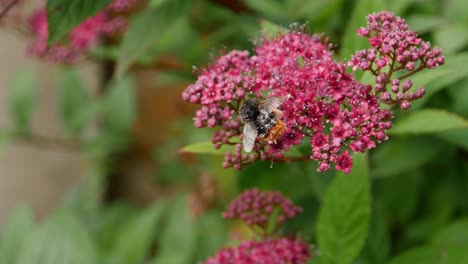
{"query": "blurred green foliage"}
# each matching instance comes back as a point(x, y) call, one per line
point(404, 203)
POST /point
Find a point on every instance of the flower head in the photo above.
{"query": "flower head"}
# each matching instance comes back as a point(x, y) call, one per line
point(255, 207)
point(81, 38)
point(394, 45)
point(323, 102)
point(324, 106)
point(278, 251)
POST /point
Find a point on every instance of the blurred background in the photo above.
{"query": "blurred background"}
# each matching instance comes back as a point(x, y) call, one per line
point(91, 167)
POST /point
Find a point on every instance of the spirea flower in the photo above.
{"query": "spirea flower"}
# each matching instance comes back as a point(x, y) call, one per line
point(396, 54)
point(324, 107)
point(255, 207)
point(81, 38)
point(277, 251)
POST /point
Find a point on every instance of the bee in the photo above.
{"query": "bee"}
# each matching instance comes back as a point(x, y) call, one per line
point(261, 118)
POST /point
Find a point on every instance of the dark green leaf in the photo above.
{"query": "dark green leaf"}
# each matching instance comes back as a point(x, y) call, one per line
point(401, 154)
point(61, 239)
point(64, 15)
point(177, 243)
point(428, 121)
point(401, 206)
point(152, 29)
point(344, 216)
point(21, 101)
point(74, 103)
point(135, 239)
point(377, 249)
point(458, 137)
point(214, 225)
point(18, 227)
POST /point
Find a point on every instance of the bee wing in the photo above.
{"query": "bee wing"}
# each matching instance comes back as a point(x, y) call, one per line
point(250, 134)
point(273, 103)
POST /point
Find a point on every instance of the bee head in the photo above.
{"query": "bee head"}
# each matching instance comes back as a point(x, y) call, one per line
point(249, 109)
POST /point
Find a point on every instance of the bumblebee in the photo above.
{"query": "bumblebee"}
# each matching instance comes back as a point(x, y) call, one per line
point(261, 118)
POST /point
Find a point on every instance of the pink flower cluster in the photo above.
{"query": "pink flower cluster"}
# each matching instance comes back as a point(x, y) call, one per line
point(81, 38)
point(325, 104)
point(277, 251)
point(255, 207)
point(396, 54)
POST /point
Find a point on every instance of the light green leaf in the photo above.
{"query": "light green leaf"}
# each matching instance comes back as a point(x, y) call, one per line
point(135, 239)
point(455, 234)
point(351, 41)
point(424, 23)
point(74, 103)
point(119, 106)
point(455, 10)
point(61, 239)
point(432, 255)
point(344, 216)
point(451, 38)
point(64, 15)
point(206, 147)
point(270, 29)
point(18, 227)
point(21, 101)
point(178, 239)
point(428, 121)
point(452, 71)
point(150, 30)
point(268, 8)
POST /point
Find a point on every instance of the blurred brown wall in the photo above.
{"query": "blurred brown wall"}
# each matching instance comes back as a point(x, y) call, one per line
point(29, 173)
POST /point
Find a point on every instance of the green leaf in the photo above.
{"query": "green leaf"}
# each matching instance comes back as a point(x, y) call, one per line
point(402, 154)
point(451, 38)
point(74, 103)
point(270, 29)
point(135, 239)
point(425, 23)
point(178, 239)
point(21, 101)
point(119, 106)
point(351, 41)
point(61, 239)
point(64, 15)
point(377, 247)
point(455, 10)
point(401, 205)
point(432, 255)
point(18, 226)
point(268, 8)
point(206, 147)
point(455, 234)
point(112, 219)
point(428, 121)
point(458, 137)
point(210, 223)
point(452, 71)
point(344, 216)
point(151, 29)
